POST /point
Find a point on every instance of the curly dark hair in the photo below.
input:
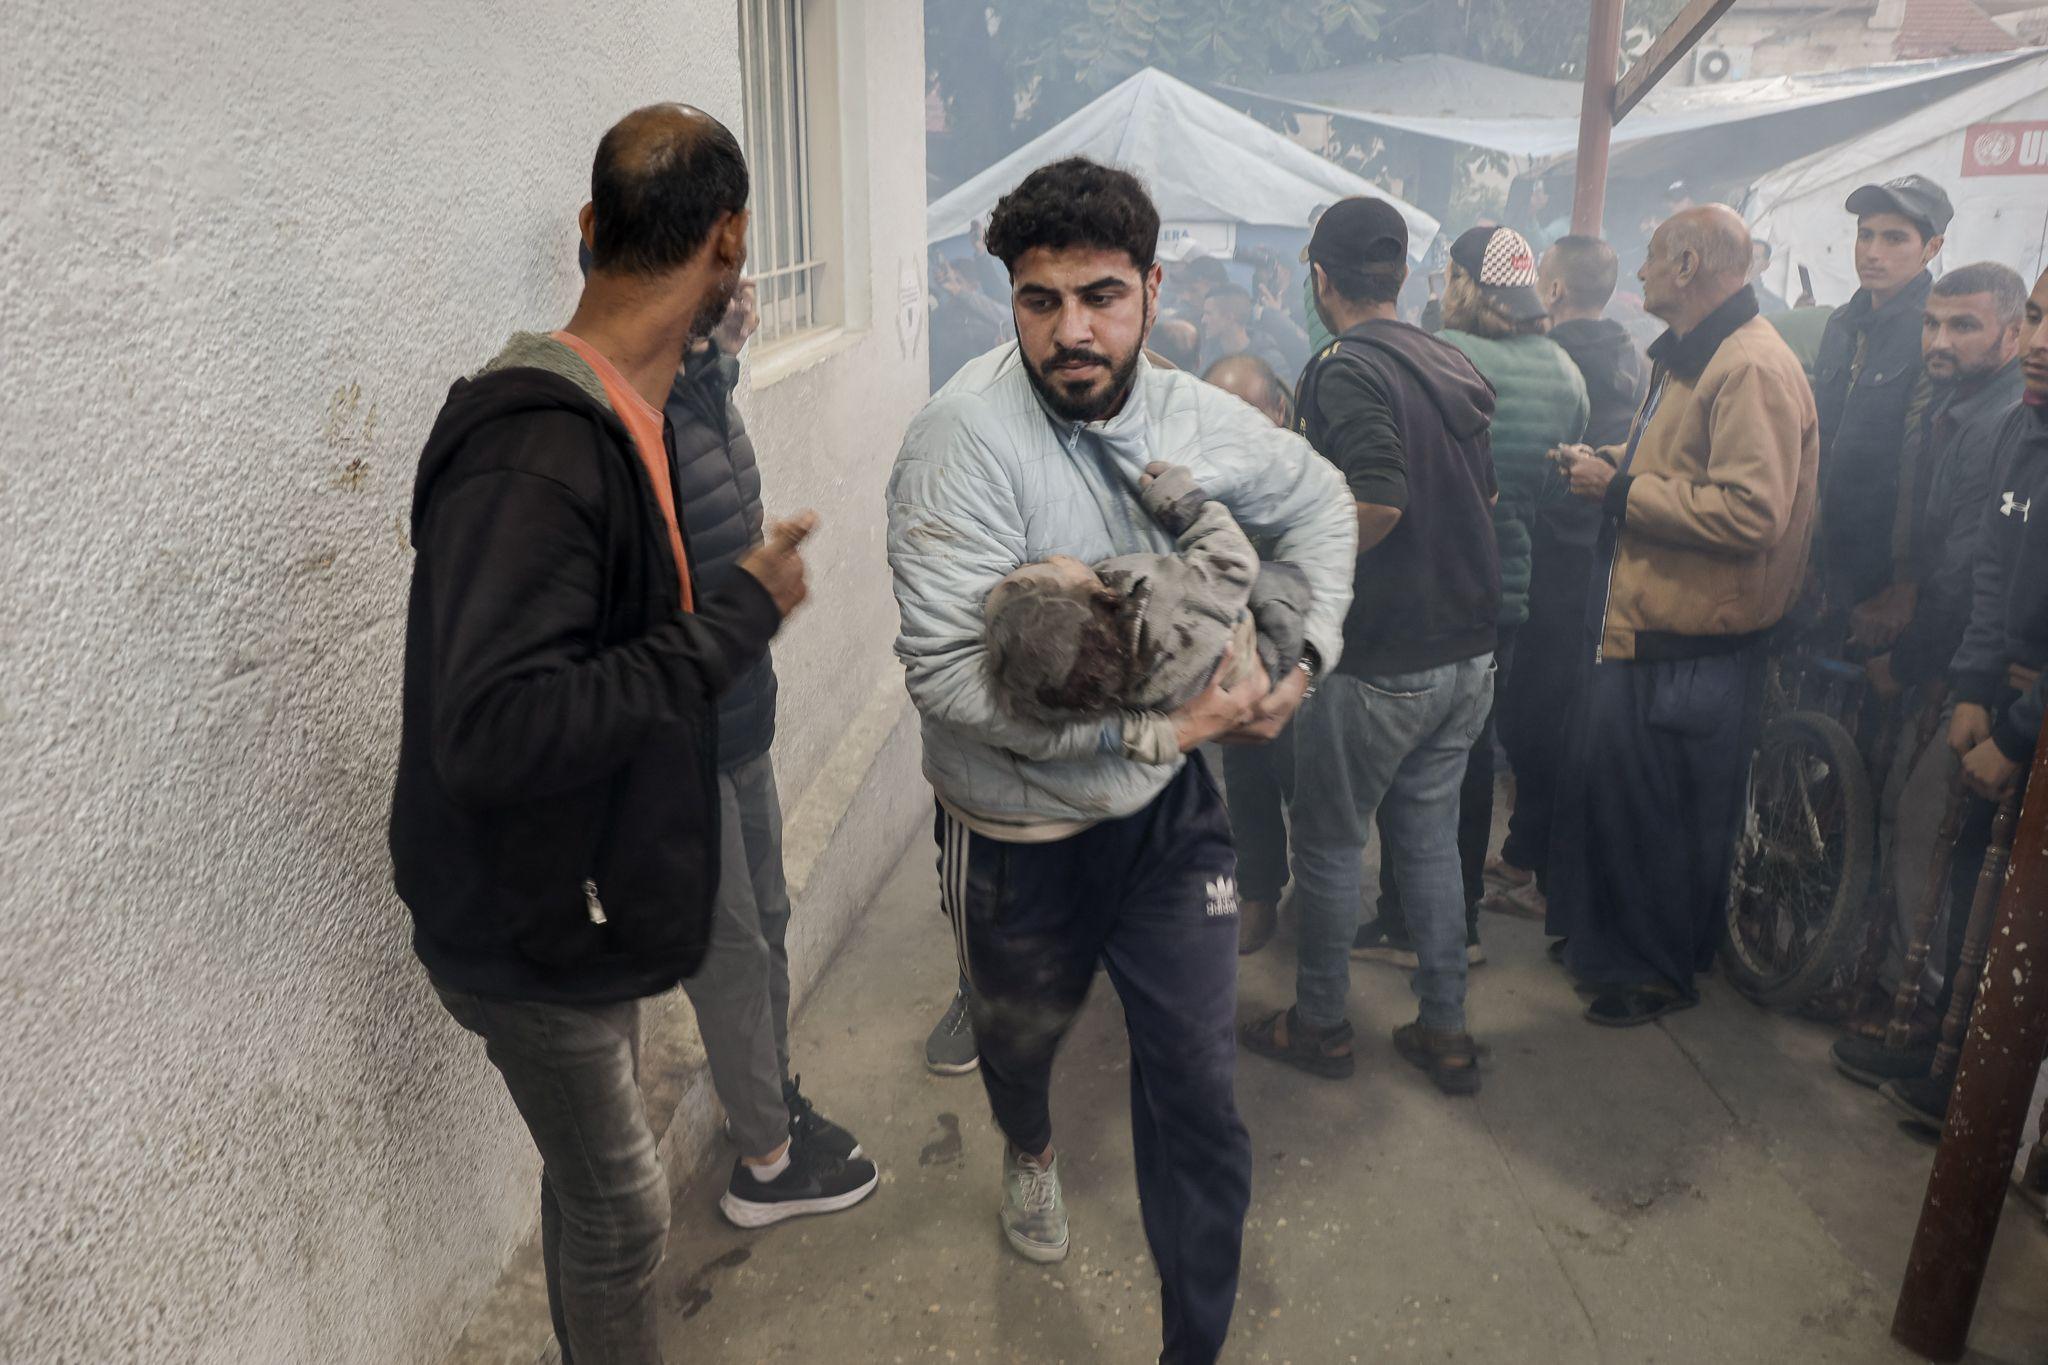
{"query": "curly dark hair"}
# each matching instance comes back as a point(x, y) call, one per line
point(1076, 202)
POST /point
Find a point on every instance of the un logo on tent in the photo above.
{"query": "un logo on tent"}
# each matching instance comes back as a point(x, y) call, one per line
point(1994, 147)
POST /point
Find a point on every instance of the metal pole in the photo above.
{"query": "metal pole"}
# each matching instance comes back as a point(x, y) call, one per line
point(1596, 117)
point(1988, 1111)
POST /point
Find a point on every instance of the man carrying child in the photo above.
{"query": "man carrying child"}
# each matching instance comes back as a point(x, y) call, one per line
point(1065, 842)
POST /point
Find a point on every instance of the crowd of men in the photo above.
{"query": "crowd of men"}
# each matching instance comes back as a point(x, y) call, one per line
point(1515, 531)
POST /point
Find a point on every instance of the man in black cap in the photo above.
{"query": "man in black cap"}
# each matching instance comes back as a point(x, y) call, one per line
point(1404, 417)
point(1867, 384)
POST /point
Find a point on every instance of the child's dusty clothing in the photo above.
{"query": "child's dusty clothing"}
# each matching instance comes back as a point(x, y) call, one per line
point(1175, 614)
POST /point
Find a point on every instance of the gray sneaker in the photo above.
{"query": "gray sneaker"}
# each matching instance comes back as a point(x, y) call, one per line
point(1034, 1214)
point(950, 1050)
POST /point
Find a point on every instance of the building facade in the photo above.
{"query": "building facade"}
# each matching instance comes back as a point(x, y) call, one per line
point(1792, 37)
point(244, 249)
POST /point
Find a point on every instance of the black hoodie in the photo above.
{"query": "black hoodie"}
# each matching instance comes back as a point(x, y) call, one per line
point(1405, 417)
point(554, 828)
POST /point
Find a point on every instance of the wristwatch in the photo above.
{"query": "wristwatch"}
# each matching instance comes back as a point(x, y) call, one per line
point(1311, 665)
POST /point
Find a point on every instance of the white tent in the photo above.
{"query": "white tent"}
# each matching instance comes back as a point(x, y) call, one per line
point(1209, 167)
point(1987, 146)
point(1528, 117)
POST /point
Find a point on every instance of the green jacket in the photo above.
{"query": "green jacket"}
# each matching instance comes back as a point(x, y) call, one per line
point(1540, 402)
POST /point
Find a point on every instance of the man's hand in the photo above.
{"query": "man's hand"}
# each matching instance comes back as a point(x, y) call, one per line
point(1878, 623)
point(1878, 672)
point(1272, 715)
point(1221, 710)
point(1586, 473)
point(1989, 773)
point(777, 563)
point(1969, 729)
point(742, 318)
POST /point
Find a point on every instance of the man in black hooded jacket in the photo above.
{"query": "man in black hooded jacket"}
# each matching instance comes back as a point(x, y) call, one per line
point(1406, 419)
point(554, 829)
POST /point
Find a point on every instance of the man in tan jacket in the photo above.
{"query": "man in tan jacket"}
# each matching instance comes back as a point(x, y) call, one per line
point(1708, 520)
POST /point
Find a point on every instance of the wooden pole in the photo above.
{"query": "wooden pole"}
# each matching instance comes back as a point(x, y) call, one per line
point(1987, 1111)
point(1969, 965)
point(1667, 52)
point(1596, 117)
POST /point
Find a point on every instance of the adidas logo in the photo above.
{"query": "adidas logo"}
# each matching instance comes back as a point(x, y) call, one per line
point(1223, 897)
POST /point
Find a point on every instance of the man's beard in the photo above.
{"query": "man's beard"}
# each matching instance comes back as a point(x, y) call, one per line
point(712, 311)
point(1088, 406)
point(1958, 372)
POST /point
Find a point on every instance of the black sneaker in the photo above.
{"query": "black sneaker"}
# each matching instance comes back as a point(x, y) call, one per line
point(951, 1050)
point(1922, 1099)
point(1867, 1061)
point(1373, 945)
point(807, 1125)
point(814, 1182)
point(1475, 955)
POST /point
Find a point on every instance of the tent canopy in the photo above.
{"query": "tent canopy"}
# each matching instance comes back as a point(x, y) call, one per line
point(1521, 116)
point(1203, 161)
point(2001, 212)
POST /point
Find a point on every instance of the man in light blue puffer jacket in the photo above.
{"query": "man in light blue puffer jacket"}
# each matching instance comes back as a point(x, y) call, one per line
point(1059, 847)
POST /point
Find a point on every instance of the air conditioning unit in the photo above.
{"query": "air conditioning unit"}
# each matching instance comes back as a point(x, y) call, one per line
point(1719, 65)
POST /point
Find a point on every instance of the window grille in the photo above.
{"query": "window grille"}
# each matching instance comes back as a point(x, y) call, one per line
point(780, 254)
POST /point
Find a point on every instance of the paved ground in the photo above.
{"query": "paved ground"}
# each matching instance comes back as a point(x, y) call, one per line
point(1706, 1190)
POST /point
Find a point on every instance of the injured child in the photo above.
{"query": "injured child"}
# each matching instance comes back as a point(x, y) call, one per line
point(1145, 633)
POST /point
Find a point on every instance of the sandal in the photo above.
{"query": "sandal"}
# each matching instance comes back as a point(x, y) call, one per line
point(1503, 875)
point(1451, 1059)
point(1283, 1037)
point(1634, 1006)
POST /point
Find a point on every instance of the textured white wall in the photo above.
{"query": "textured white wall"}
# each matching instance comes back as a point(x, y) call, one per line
point(244, 247)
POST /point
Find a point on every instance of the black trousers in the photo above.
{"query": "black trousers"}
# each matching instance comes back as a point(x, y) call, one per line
point(1648, 813)
point(1259, 780)
point(1551, 659)
point(1153, 896)
point(1475, 806)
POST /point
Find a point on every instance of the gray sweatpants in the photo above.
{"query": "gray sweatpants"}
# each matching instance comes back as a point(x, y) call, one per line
point(1916, 797)
point(741, 993)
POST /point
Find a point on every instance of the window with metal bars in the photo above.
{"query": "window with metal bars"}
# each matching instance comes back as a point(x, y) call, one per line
point(781, 248)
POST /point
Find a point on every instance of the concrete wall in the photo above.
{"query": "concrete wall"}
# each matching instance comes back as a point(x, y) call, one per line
point(243, 249)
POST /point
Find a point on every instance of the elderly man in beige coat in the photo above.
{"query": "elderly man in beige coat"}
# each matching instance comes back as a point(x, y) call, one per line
point(1709, 518)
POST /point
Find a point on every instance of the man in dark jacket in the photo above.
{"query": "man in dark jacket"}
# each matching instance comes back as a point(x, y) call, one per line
point(1404, 417)
point(1970, 343)
point(554, 828)
point(1998, 668)
point(1997, 673)
point(741, 993)
point(1866, 379)
point(1576, 280)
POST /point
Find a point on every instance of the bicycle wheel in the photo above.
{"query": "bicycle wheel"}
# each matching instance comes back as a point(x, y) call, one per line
point(1803, 867)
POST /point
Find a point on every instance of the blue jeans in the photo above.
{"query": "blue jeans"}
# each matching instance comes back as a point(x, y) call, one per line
point(1396, 744)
